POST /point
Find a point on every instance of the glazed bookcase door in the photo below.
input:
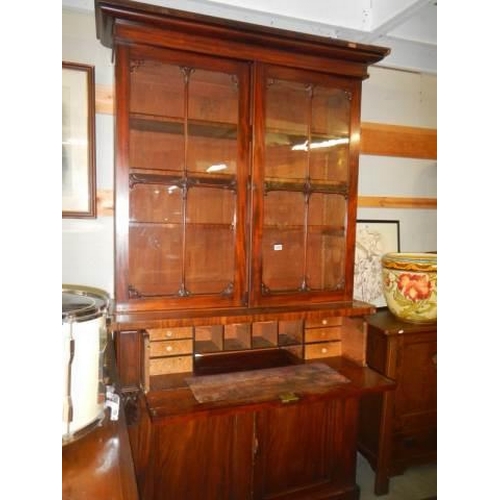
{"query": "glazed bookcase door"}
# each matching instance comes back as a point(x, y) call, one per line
point(184, 160)
point(305, 182)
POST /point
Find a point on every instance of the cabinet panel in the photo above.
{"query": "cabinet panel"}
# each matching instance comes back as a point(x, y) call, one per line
point(418, 396)
point(289, 438)
point(414, 447)
point(209, 458)
point(306, 172)
point(185, 160)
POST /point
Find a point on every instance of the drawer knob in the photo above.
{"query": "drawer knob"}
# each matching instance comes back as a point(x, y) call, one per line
point(169, 348)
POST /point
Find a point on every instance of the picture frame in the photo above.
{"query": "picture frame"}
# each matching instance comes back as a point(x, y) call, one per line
point(78, 141)
point(374, 238)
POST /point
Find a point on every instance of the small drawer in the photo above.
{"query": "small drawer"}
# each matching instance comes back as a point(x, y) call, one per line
point(322, 334)
point(322, 350)
point(318, 323)
point(182, 332)
point(171, 364)
point(170, 348)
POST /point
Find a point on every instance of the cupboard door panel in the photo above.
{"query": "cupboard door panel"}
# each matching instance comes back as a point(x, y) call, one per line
point(305, 449)
point(305, 173)
point(185, 163)
point(209, 458)
point(416, 397)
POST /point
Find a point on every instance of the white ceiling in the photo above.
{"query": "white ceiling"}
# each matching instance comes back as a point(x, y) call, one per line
point(407, 27)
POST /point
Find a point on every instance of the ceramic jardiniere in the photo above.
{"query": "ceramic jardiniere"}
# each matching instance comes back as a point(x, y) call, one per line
point(409, 282)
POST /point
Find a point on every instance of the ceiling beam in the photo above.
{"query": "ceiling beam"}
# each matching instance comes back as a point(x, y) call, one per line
point(387, 16)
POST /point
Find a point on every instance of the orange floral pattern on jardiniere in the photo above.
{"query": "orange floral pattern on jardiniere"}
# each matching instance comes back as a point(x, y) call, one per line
point(415, 286)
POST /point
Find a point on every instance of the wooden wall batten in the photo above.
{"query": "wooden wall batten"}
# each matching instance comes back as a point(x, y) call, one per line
point(396, 202)
point(395, 140)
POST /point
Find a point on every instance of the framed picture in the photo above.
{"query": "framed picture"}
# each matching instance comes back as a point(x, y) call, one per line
point(78, 141)
point(374, 238)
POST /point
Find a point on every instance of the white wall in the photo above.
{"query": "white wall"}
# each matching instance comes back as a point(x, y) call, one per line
point(409, 99)
point(389, 96)
point(87, 244)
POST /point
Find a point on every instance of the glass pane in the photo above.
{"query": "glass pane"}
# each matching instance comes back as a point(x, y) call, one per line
point(213, 97)
point(326, 241)
point(330, 132)
point(156, 203)
point(210, 239)
point(282, 162)
point(286, 127)
point(330, 164)
point(283, 240)
point(155, 259)
point(213, 156)
point(330, 112)
point(157, 108)
point(155, 239)
point(157, 89)
point(157, 151)
point(212, 123)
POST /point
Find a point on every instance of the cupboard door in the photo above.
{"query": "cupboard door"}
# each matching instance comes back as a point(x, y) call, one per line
point(201, 457)
point(185, 164)
point(416, 395)
point(306, 451)
point(305, 178)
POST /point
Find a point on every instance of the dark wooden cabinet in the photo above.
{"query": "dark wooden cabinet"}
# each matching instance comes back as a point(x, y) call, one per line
point(399, 429)
point(236, 173)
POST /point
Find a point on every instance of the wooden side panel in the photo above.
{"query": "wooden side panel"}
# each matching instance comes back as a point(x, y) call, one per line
point(129, 345)
point(353, 335)
point(139, 432)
